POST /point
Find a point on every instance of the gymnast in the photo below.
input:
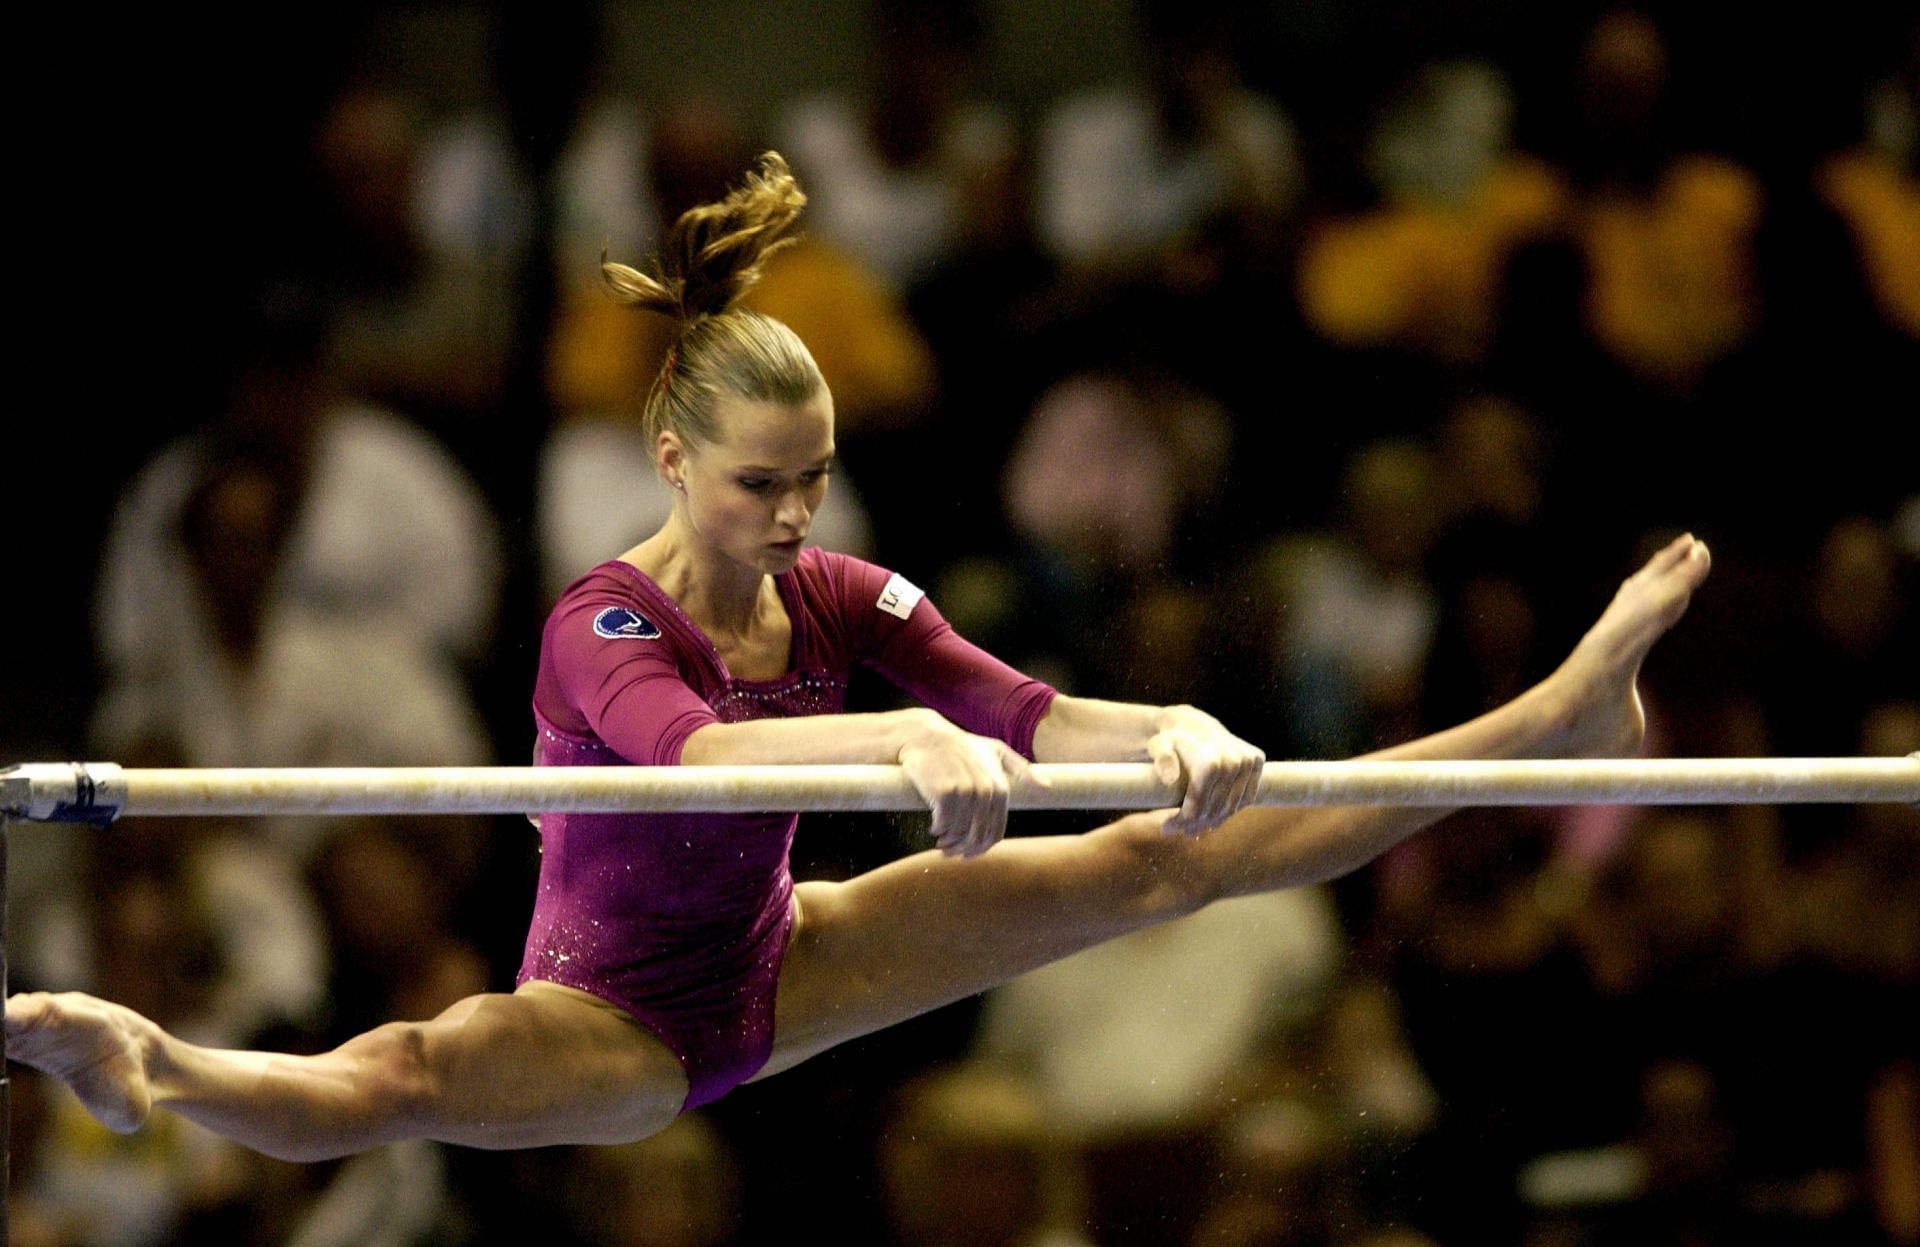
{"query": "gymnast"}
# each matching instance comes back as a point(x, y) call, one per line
point(671, 957)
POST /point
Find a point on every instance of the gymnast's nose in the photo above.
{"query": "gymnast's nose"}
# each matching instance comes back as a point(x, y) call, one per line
point(792, 512)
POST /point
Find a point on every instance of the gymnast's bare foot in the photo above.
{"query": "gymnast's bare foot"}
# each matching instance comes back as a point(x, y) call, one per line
point(1596, 686)
point(100, 1050)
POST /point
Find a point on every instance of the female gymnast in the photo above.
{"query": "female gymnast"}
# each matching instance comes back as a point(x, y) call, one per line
point(671, 957)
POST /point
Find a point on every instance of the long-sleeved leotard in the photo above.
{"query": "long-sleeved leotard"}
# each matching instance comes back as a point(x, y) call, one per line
point(682, 919)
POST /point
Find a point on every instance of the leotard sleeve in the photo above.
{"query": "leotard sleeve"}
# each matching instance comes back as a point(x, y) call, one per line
point(896, 631)
point(618, 673)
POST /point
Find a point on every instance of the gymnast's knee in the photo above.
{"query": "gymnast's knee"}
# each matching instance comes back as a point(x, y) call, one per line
point(400, 1074)
point(1171, 877)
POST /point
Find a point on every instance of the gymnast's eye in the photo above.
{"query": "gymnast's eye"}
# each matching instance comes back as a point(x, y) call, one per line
point(756, 484)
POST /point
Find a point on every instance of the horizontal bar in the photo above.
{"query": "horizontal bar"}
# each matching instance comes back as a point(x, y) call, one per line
point(99, 791)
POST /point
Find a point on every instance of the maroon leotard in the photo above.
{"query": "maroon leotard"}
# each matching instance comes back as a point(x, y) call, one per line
point(682, 919)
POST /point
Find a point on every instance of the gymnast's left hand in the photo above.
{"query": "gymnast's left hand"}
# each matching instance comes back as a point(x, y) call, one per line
point(1219, 772)
point(968, 781)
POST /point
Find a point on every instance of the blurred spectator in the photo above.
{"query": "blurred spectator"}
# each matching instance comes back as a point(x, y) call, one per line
point(1888, 875)
point(1595, 415)
point(1157, 653)
point(1421, 271)
point(1855, 889)
point(1894, 1173)
point(1824, 341)
point(1671, 933)
point(1856, 905)
point(1498, 1013)
point(396, 956)
point(1112, 471)
point(969, 1159)
point(265, 967)
point(355, 515)
point(983, 310)
point(1110, 466)
point(1359, 615)
point(1144, 1033)
point(1854, 645)
point(246, 672)
point(31, 1221)
point(606, 175)
point(1493, 459)
point(104, 1190)
point(1673, 1179)
point(1392, 1236)
point(1679, 945)
point(1135, 1047)
point(1685, 1144)
point(1666, 233)
point(1499, 570)
point(1126, 169)
point(1873, 186)
point(888, 177)
point(1353, 1064)
point(392, 1196)
point(677, 1188)
point(417, 260)
point(1282, 1181)
point(1353, 1060)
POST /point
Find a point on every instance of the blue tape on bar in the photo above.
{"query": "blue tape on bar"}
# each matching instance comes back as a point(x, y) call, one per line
point(67, 792)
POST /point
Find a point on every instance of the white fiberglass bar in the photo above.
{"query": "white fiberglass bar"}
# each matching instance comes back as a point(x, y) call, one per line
point(101, 791)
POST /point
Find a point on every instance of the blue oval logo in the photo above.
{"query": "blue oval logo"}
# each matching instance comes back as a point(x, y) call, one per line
point(617, 622)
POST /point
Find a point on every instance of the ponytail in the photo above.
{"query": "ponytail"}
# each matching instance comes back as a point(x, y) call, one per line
point(709, 260)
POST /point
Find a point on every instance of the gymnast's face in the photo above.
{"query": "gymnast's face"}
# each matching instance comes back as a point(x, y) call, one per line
point(750, 494)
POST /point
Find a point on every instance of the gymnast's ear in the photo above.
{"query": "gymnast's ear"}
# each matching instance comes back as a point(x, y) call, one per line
point(670, 458)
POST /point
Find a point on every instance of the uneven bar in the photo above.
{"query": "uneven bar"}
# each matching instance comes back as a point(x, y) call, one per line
point(100, 791)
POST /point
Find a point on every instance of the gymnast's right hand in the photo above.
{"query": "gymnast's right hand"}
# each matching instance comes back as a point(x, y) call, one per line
point(968, 780)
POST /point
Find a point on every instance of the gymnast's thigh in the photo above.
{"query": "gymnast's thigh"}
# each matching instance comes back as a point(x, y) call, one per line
point(810, 985)
point(548, 1064)
point(927, 930)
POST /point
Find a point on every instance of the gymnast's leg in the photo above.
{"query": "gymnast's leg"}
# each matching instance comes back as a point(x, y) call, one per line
point(927, 930)
point(481, 1074)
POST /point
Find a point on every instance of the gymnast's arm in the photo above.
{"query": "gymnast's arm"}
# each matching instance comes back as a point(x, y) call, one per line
point(1188, 747)
point(966, 779)
point(629, 691)
point(882, 738)
point(923, 655)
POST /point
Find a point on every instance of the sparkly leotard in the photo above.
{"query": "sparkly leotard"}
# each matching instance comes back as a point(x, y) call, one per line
point(682, 919)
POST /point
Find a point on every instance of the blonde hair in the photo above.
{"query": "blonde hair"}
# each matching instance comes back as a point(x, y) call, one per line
point(711, 257)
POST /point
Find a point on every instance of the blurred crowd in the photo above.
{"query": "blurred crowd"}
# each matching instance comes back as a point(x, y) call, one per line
point(1325, 368)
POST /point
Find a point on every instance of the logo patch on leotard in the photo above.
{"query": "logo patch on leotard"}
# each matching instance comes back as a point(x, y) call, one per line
point(899, 597)
point(616, 622)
